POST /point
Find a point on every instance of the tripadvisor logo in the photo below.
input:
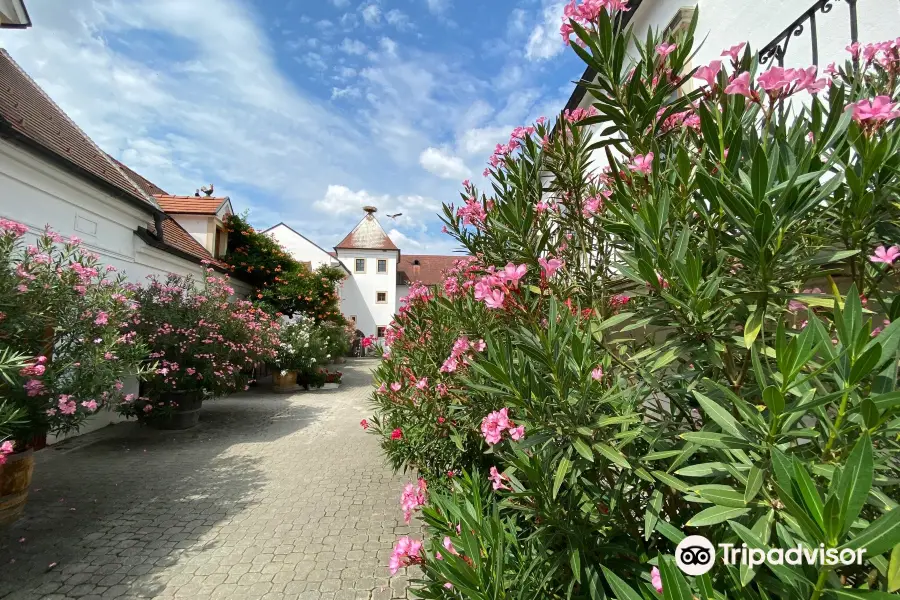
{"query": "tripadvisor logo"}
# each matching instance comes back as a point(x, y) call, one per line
point(695, 555)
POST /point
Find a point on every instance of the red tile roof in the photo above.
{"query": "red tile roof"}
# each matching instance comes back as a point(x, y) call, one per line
point(430, 270)
point(367, 235)
point(28, 113)
point(190, 205)
point(175, 236)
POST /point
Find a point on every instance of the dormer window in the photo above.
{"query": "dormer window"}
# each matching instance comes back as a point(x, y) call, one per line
point(382, 265)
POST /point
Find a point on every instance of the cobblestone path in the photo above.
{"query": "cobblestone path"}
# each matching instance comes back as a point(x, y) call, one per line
point(271, 496)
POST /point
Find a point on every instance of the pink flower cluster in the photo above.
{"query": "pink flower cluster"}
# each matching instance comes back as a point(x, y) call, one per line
point(496, 423)
point(586, 13)
point(5, 448)
point(473, 213)
point(579, 114)
point(12, 228)
point(875, 112)
point(549, 266)
point(493, 288)
point(406, 552)
point(888, 51)
point(412, 498)
point(498, 479)
point(461, 354)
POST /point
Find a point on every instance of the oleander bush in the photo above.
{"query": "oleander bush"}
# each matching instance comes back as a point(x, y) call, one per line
point(640, 349)
point(201, 340)
point(64, 345)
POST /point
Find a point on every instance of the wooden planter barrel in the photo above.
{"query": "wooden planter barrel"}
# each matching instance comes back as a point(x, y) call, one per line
point(284, 381)
point(186, 413)
point(15, 479)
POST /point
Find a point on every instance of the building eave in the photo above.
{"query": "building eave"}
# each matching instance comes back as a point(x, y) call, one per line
point(24, 19)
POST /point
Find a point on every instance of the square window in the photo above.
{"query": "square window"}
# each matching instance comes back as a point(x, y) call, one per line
point(360, 266)
point(382, 265)
point(381, 297)
point(381, 331)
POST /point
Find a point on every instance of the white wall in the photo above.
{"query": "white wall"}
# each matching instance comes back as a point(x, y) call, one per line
point(35, 193)
point(358, 292)
point(402, 292)
point(201, 229)
point(299, 247)
point(725, 23)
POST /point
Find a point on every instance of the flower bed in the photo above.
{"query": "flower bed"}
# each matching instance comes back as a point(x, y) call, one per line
point(637, 355)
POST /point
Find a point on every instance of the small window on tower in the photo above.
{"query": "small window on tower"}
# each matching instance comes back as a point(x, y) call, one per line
point(381, 331)
point(382, 265)
point(360, 266)
point(381, 297)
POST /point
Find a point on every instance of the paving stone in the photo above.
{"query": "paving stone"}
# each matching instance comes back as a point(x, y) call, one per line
point(253, 504)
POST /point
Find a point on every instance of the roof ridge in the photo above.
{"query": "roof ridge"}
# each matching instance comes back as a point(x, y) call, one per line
point(138, 192)
point(384, 243)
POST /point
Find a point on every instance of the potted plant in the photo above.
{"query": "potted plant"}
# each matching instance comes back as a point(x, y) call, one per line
point(290, 355)
point(332, 379)
point(64, 349)
point(205, 346)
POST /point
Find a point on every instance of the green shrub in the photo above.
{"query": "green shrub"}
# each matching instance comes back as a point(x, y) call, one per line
point(657, 360)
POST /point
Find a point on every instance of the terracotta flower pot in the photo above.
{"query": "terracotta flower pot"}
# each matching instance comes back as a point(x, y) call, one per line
point(186, 413)
point(15, 479)
point(284, 381)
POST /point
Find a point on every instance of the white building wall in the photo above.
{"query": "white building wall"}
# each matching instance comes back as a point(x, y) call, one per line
point(358, 294)
point(299, 247)
point(201, 228)
point(35, 193)
point(724, 23)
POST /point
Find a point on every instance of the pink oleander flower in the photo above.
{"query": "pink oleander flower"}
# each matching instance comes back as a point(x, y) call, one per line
point(775, 80)
point(406, 552)
point(665, 49)
point(397, 434)
point(806, 80)
point(396, 386)
point(656, 580)
point(66, 406)
point(102, 318)
point(740, 85)
point(364, 424)
point(442, 389)
point(877, 110)
point(498, 479)
point(412, 498)
point(478, 346)
point(495, 299)
point(597, 373)
point(448, 546)
point(854, 49)
point(735, 51)
point(642, 163)
point(709, 73)
point(512, 273)
point(90, 405)
point(885, 255)
point(34, 387)
point(550, 266)
point(830, 70)
point(422, 383)
point(517, 433)
point(493, 425)
point(5, 448)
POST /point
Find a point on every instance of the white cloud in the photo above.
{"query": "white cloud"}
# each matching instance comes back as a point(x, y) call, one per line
point(517, 24)
point(339, 200)
point(398, 19)
point(443, 164)
point(353, 47)
point(389, 46)
point(371, 14)
point(347, 92)
point(545, 41)
point(346, 72)
point(341, 3)
point(482, 141)
point(438, 6)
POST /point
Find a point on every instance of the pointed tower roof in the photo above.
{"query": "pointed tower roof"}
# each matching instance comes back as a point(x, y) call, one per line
point(367, 235)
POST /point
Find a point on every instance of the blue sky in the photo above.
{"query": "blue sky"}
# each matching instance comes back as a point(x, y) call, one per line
point(303, 111)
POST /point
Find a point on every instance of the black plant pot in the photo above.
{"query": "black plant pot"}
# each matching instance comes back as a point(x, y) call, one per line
point(186, 411)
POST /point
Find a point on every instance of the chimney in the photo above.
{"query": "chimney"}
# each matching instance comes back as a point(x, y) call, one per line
point(370, 209)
